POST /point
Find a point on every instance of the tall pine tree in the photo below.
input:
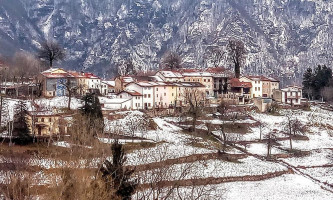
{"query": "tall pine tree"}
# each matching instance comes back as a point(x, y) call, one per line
point(314, 82)
point(20, 127)
point(116, 175)
point(92, 111)
point(91, 106)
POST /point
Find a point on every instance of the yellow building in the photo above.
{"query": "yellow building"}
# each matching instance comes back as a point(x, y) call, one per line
point(46, 123)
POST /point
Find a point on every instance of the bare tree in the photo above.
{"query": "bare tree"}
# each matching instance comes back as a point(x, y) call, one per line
point(222, 109)
point(215, 55)
point(171, 61)
point(195, 99)
point(262, 127)
point(270, 137)
point(237, 55)
point(71, 89)
point(51, 51)
point(293, 126)
point(25, 66)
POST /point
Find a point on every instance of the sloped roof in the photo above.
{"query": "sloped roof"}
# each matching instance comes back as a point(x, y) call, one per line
point(262, 78)
point(235, 82)
point(110, 83)
point(56, 73)
point(171, 74)
point(131, 92)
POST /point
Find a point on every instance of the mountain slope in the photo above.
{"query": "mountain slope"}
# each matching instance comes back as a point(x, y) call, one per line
point(282, 37)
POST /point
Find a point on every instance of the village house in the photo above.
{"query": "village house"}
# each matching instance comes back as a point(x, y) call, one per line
point(187, 88)
point(166, 94)
point(261, 86)
point(170, 76)
point(220, 80)
point(239, 92)
point(136, 98)
point(53, 82)
point(203, 77)
point(147, 91)
point(47, 123)
point(122, 81)
point(291, 95)
point(109, 104)
point(107, 88)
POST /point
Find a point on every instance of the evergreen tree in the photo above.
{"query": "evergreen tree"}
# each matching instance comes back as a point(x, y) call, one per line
point(91, 106)
point(307, 83)
point(116, 175)
point(92, 112)
point(314, 82)
point(20, 127)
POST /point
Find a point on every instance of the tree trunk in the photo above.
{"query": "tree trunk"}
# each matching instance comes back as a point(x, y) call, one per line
point(291, 144)
point(69, 100)
point(193, 122)
point(1, 100)
point(269, 146)
point(237, 70)
point(224, 140)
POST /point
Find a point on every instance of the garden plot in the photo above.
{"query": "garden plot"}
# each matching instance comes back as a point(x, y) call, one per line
point(317, 157)
point(289, 186)
point(324, 174)
point(217, 168)
point(318, 139)
point(163, 152)
point(261, 149)
point(254, 134)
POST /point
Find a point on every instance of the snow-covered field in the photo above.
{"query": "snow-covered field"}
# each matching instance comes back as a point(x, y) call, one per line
point(219, 168)
point(168, 140)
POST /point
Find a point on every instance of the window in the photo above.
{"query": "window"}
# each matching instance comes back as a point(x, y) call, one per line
point(164, 87)
point(157, 95)
point(121, 96)
point(149, 104)
point(258, 88)
point(138, 104)
point(255, 88)
point(208, 80)
point(156, 89)
point(172, 94)
point(148, 95)
point(145, 96)
point(50, 119)
point(204, 80)
point(42, 119)
point(164, 94)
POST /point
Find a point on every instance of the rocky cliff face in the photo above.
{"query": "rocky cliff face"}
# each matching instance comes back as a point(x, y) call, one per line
point(282, 36)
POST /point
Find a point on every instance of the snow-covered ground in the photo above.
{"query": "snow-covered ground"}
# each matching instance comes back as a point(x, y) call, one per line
point(289, 186)
point(218, 168)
